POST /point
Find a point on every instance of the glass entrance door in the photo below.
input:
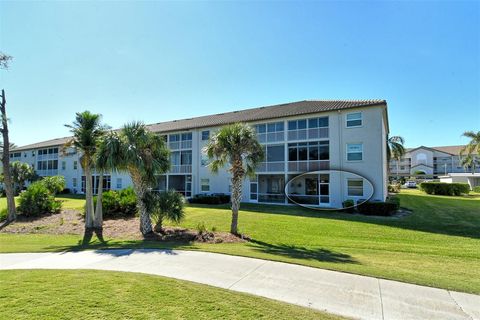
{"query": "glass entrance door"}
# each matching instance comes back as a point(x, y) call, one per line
point(324, 189)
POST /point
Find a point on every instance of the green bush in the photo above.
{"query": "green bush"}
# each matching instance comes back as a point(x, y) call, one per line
point(118, 203)
point(210, 199)
point(446, 189)
point(3, 214)
point(476, 189)
point(378, 208)
point(394, 188)
point(38, 200)
point(54, 184)
point(348, 205)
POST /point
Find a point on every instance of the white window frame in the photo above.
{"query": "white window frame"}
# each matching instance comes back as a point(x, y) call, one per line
point(203, 184)
point(354, 113)
point(74, 182)
point(355, 187)
point(75, 165)
point(119, 183)
point(347, 152)
point(208, 135)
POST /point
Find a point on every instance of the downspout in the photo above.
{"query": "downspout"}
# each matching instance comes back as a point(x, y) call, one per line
point(340, 163)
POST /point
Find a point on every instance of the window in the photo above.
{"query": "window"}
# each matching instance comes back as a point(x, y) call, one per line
point(354, 151)
point(313, 128)
point(205, 135)
point(205, 160)
point(119, 183)
point(74, 182)
point(64, 165)
point(355, 187)
point(75, 165)
point(205, 185)
point(303, 151)
point(354, 119)
point(270, 132)
point(275, 153)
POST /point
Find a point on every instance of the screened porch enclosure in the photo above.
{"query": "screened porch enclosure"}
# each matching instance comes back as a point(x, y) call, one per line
point(311, 189)
point(271, 188)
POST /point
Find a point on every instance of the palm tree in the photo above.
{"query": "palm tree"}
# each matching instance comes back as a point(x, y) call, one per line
point(395, 150)
point(473, 146)
point(87, 130)
point(237, 146)
point(469, 162)
point(165, 205)
point(143, 155)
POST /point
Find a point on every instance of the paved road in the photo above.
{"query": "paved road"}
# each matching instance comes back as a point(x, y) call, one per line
point(334, 292)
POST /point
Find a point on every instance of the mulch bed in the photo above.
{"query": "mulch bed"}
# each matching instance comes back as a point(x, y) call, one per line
point(71, 222)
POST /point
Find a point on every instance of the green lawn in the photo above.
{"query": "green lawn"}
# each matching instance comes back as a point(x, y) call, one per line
point(438, 245)
point(88, 294)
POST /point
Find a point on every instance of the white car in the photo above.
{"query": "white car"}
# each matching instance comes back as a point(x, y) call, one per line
point(410, 184)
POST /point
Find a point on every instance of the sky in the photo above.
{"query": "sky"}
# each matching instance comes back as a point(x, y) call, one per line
point(160, 61)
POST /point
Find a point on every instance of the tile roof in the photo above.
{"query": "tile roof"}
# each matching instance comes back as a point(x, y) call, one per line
point(262, 113)
point(453, 150)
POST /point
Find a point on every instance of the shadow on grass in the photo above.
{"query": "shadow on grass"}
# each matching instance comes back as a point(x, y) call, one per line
point(303, 253)
point(433, 214)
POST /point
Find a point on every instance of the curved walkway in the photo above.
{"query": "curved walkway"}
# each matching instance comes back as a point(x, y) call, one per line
point(334, 292)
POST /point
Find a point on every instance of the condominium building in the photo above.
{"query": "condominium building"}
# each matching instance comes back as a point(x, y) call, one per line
point(298, 137)
point(431, 162)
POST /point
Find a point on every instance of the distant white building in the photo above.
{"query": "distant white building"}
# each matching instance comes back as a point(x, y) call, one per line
point(472, 179)
point(429, 161)
point(297, 137)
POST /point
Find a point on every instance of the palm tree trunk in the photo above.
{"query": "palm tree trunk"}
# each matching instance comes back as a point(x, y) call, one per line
point(397, 171)
point(88, 198)
point(7, 178)
point(235, 198)
point(98, 219)
point(140, 191)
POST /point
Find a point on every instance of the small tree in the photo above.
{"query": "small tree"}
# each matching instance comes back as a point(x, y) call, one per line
point(237, 146)
point(8, 183)
point(54, 184)
point(395, 150)
point(469, 162)
point(167, 205)
point(20, 173)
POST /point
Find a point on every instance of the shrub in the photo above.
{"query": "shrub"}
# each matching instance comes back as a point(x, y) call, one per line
point(3, 214)
point(378, 208)
point(118, 203)
point(348, 205)
point(54, 184)
point(394, 188)
point(446, 189)
point(65, 191)
point(37, 200)
point(476, 189)
point(210, 198)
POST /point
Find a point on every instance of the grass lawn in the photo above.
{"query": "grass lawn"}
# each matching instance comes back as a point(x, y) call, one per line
point(88, 294)
point(437, 245)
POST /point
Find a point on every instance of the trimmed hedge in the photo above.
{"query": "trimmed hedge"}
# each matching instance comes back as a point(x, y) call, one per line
point(445, 189)
point(379, 208)
point(348, 205)
point(476, 189)
point(210, 199)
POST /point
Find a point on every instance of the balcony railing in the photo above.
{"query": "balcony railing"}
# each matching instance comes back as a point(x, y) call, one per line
point(181, 169)
point(271, 166)
point(304, 134)
point(312, 165)
point(47, 173)
point(175, 145)
point(271, 197)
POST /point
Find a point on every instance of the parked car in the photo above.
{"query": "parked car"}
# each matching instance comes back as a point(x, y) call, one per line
point(410, 184)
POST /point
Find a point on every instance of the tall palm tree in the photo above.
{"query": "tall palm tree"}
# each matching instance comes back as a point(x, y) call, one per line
point(237, 146)
point(473, 146)
point(143, 155)
point(469, 162)
point(395, 150)
point(87, 130)
point(470, 150)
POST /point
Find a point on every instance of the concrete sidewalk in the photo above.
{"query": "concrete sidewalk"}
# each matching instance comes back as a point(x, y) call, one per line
point(334, 292)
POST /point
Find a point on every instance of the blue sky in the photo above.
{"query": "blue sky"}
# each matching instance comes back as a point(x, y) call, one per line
point(158, 61)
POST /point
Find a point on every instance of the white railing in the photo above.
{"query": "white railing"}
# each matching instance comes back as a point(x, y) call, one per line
point(271, 166)
point(308, 165)
point(181, 169)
